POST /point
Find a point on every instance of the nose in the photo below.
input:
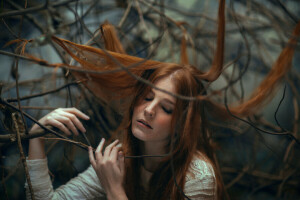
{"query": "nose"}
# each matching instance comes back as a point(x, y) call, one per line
point(149, 110)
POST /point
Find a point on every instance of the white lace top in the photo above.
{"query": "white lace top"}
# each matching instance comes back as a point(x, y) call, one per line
point(200, 183)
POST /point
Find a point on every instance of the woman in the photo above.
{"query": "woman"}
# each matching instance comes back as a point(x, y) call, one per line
point(159, 124)
point(166, 118)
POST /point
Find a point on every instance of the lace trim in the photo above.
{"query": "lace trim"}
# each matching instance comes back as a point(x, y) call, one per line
point(199, 169)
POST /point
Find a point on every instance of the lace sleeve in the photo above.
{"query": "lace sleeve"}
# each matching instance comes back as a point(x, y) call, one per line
point(201, 181)
point(85, 186)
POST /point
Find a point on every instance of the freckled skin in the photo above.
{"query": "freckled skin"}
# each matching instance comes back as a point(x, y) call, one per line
point(154, 110)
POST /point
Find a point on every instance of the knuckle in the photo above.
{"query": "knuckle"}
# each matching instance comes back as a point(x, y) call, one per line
point(54, 113)
point(114, 148)
point(73, 117)
point(48, 118)
point(102, 163)
point(68, 121)
point(109, 162)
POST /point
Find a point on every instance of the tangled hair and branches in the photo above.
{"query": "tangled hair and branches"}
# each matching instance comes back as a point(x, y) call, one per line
point(111, 75)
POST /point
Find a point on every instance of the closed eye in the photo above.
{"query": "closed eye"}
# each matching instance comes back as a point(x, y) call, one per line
point(148, 99)
point(149, 96)
point(168, 111)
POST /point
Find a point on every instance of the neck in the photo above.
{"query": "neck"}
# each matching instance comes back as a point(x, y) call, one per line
point(152, 148)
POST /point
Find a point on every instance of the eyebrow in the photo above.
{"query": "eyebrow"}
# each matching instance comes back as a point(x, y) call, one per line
point(165, 99)
point(169, 101)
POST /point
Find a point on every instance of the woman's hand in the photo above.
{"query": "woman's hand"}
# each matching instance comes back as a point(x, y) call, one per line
point(65, 119)
point(109, 168)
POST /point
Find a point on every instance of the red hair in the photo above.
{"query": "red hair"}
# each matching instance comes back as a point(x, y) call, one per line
point(132, 77)
point(188, 138)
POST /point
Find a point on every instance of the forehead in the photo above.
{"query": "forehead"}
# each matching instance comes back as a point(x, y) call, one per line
point(165, 83)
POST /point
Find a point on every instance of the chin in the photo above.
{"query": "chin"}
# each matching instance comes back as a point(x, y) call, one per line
point(138, 134)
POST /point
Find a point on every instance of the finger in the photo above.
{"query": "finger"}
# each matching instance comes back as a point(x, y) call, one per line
point(75, 121)
point(100, 146)
point(109, 148)
point(98, 152)
point(69, 123)
point(114, 153)
point(60, 126)
point(91, 157)
point(78, 113)
point(35, 127)
point(121, 161)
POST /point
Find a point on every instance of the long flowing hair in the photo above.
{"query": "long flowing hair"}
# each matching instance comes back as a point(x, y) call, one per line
point(111, 73)
point(189, 137)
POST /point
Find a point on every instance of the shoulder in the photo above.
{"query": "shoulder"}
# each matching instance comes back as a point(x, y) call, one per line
point(201, 179)
point(200, 167)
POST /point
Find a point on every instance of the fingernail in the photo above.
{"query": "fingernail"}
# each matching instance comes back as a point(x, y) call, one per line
point(119, 145)
point(102, 140)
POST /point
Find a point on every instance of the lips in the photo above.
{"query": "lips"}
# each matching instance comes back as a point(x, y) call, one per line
point(144, 123)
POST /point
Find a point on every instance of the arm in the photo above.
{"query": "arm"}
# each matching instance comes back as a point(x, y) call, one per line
point(86, 183)
point(64, 119)
point(84, 186)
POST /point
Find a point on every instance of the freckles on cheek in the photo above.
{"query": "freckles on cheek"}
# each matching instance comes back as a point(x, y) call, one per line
point(164, 121)
point(138, 109)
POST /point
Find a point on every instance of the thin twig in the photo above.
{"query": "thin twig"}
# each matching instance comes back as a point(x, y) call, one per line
point(38, 108)
point(45, 93)
point(143, 21)
point(11, 172)
point(42, 126)
point(23, 156)
point(9, 29)
point(34, 9)
point(125, 15)
point(259, 129)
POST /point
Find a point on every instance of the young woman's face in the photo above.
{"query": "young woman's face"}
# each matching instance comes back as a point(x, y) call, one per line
point(151, 120)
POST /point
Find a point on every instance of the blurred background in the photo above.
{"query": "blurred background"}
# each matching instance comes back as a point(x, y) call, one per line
point(254, 164)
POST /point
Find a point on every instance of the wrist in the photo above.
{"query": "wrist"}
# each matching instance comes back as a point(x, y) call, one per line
point(36, 149)
point(118, 195)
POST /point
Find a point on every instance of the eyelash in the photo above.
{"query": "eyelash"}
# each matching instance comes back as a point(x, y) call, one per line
point(164, 109)
point(167, 111)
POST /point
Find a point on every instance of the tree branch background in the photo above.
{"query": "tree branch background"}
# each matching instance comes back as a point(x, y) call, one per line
point(254, 165)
